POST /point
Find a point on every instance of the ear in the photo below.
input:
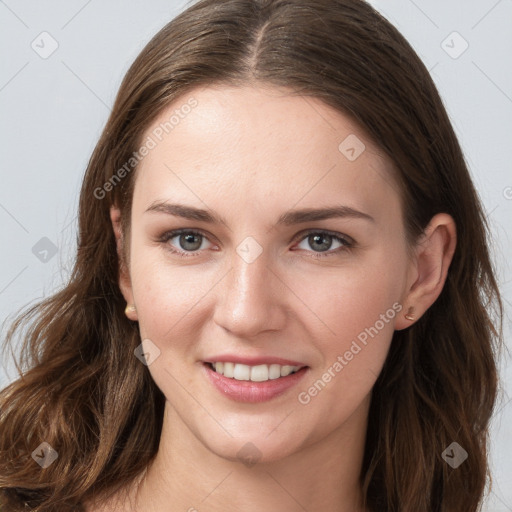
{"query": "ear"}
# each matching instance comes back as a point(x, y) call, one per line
point(429, 268)
point(125, 284)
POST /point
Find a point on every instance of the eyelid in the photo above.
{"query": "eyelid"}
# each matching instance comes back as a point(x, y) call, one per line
point(335, 234)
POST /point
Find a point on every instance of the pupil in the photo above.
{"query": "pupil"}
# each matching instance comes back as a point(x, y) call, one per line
point(186, 239)
point(325, 245)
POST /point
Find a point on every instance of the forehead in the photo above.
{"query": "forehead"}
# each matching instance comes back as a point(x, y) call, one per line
point(222, 114)
point(261, 143)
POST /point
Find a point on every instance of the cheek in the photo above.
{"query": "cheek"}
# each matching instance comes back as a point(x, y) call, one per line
point(349, 299)
point(356, 312)
point(352, 355)
point(166, 295)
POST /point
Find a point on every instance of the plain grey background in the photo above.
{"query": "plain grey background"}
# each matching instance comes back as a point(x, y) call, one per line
point(63, 61)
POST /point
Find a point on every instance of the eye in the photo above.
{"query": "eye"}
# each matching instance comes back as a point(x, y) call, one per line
point(189, 241)
point(322, 242)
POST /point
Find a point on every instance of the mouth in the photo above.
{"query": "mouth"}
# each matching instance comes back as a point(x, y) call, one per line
point(256, 373)
point(253, 383)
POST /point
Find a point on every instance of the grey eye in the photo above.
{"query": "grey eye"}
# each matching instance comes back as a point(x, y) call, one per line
point(320, 242)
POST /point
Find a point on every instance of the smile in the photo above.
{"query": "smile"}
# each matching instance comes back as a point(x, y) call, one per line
point(257, 373)
point(253, 383)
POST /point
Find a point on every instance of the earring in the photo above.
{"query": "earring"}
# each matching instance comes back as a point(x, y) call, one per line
point(409, 315)
point(130, 308)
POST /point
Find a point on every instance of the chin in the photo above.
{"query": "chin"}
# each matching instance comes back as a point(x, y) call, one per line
point(253, 446)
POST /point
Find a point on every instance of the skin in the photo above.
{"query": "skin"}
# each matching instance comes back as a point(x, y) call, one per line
point(249, 154)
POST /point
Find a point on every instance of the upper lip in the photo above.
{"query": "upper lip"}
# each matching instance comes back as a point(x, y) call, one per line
point(252, 361)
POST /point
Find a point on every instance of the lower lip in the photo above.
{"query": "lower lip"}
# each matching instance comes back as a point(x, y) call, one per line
point(253, 392)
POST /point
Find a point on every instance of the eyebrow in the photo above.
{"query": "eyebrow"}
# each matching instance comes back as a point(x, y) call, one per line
point(288, 218)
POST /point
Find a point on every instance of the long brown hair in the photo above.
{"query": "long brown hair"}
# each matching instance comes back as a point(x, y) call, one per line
point(84, 392)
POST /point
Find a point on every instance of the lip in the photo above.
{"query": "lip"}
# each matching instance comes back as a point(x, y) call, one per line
point(252, 361)
point(253, 392)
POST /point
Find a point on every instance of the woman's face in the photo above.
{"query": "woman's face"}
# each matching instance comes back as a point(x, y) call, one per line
point(260, 277)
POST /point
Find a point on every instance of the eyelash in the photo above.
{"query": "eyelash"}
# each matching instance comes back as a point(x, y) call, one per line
point(347, 243)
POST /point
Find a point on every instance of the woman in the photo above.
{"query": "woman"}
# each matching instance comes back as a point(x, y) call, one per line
point(282, 297)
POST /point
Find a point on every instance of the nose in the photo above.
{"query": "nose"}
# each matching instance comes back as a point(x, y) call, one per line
point(251, 299)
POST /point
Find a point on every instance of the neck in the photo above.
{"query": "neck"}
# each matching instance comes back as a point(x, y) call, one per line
point(187, 476)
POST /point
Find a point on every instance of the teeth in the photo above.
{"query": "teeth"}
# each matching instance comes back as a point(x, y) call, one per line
point(242, 372)
point(228, 370)
point(274, 371)
point(259, 373)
